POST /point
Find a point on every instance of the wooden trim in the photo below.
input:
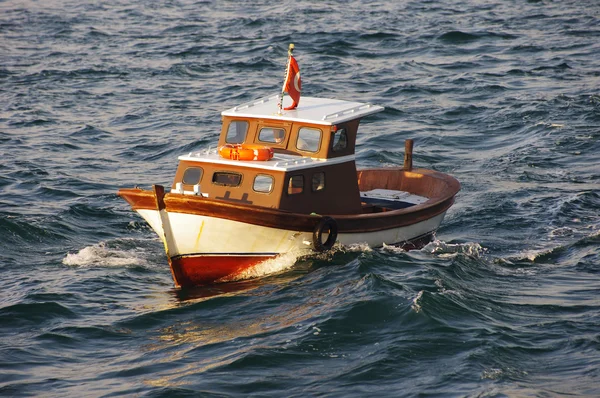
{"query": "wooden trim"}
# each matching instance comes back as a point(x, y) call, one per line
point(439, 187)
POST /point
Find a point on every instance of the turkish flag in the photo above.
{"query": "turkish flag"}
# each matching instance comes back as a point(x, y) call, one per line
point(293, 83)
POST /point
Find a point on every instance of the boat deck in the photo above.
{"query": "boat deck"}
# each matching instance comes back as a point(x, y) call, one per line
point(378, 200)
point(281, 162)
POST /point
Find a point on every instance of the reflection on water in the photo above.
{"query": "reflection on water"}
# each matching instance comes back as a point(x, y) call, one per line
point(199, 293)
point(222, 334)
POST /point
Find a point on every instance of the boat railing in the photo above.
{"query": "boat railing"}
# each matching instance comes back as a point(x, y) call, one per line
point(347, 111)
point(260, 101)
point(293, 162)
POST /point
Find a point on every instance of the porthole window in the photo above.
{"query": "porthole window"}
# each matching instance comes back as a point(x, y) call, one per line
point(295, 185)
point(309, 139)
point(272, 135)
point(340, 140)
point(318, 182)
point(236, 132)
point(226, 178)
point(263, 183)
point(192, 175)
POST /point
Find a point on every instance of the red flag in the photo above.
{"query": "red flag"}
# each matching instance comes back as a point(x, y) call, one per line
point(293, 83)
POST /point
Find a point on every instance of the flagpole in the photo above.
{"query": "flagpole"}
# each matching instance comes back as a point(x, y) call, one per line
point(287, 70)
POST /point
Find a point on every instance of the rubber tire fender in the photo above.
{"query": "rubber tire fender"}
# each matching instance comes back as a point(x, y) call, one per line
point(325, 224)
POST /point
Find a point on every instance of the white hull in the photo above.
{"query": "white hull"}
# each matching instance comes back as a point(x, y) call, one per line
point(200, 235)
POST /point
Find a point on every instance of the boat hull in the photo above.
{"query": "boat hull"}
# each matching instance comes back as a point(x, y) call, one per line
point(204, 249)
point(204, 269)
point(211, 240)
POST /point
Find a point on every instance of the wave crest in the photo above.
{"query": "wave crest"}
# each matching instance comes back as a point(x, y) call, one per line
point(104, 255)
point(441, 248)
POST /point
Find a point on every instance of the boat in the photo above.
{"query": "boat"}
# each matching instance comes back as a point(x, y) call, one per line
point(283, 178)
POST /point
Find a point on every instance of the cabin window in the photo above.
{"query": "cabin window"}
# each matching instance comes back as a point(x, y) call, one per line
point(226, 178)
point(236, 133)
point(340, 140)
point(309, 139)
point(263, 183)
point(295, 185)
point(192, 175)
point(271, 134)
point(318, 182)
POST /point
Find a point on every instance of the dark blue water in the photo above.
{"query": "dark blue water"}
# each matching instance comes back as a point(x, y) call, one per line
point(504, 95)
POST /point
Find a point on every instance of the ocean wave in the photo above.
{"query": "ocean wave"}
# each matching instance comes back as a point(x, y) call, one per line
point(458, 37)
point(33, 313)
point(552, 254)
point(500, 95)
point(91, 134)
point(26, 230)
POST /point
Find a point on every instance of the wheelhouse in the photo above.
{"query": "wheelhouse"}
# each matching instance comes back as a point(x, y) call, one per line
point(313, 169)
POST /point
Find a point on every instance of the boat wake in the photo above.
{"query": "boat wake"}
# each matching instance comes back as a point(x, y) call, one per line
point(118, 253)
point(356, 247)
point(443, 249)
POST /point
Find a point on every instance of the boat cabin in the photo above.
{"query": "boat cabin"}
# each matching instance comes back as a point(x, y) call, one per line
point(312, 169)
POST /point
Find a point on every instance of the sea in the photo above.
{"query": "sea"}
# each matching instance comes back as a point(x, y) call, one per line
point(504, 302)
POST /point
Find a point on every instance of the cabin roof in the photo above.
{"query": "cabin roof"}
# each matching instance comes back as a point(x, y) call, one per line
point(323, 111)
point(280, 162)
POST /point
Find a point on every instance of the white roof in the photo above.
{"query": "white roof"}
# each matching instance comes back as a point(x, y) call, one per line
point(280, 162)
point(311, 110)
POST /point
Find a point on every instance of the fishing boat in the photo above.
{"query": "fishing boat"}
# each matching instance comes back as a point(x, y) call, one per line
point(284, 178)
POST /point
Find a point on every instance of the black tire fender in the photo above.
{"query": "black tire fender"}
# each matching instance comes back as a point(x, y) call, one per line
point(328, 225)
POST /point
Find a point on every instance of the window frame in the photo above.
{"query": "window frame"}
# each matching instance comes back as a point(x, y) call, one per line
point(298, 137)
point(223, 172)
point(333, 143)
point(183, 181)
point(273, 128)
point(312, 185)
point(232, 122)
point(264, 175)
point(290, 187)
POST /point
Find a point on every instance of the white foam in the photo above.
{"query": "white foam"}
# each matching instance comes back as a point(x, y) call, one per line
point(103, 255)
point(531, 255)
point(561, 232)
point(355, 247)
point(551, 125)
point(393, 249)
point(415, 305)
point(272, 266)
point(443, 249)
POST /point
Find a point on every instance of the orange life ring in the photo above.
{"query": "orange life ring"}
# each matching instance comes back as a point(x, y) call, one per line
point(246, 152)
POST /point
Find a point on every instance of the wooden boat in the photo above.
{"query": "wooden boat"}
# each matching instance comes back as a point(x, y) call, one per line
point(285, 180)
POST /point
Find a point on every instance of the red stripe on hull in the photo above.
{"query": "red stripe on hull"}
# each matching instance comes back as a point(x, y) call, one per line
point(206, 269)
point(202, 270)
